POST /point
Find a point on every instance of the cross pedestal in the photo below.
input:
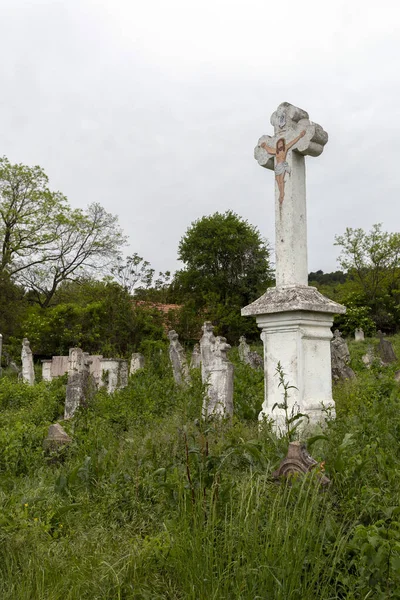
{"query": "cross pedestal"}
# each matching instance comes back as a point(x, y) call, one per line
point(295, 319)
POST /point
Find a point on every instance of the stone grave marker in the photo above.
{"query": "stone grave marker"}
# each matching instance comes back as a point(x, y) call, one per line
point(28, 372)
point(178, 359)
point(46, 369)
point(137, 362)
point(359, 335)
point(195, 361)
point(340, 358)
point(386, 350)
point(249, 357)
point(207, 348)
point(295, 319)
point(114, 374)
point(56, 437)
point(219, 399)
point(299, 462)
point(79, 385)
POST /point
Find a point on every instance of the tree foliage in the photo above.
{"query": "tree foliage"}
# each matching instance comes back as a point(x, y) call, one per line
point(43, 241)
point(372, 261)
point(97, 316)
point(225, 255)
point(226, 267)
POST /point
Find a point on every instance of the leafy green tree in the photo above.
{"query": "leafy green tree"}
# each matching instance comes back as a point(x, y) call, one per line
point(97, 316)
point(372, 262)
point(226, 267)
point(43, 241)
point(133, 272)
point(27, 211)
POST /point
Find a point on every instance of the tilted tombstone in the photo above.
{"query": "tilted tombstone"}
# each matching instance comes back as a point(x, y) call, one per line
point(247, 356)
point(295, 318)
point(299, 462)
point(78, 385)
point(195, 361)
point(178, 359)
point(56, 437)
point(340, 358)
point(46, 370)
point(359, 335)
point(28, 372)
point(114, 374)
point(219, 399)
point(386, 350)
point(207, 348)
point(137, 362)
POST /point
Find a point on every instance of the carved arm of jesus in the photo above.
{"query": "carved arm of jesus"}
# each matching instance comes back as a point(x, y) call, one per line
point(268, 148)
point(296, 139)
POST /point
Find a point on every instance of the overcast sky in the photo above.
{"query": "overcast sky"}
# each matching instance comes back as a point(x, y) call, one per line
point(153, 109)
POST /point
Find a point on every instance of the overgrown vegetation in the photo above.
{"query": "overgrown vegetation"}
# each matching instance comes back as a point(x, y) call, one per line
point(149, 502)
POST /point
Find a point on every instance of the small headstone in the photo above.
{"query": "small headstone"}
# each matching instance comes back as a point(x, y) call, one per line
point(397, 376)
point(59, 366)
point(79, 384)
point(178, 359)
point(207, 348)
point(369, 357)
point(340, 357)
point(244, 349)
point(386, 350)
point(298, 462)
point(359, 335)
point(219, 398)
point(28, 373)
point(46, 370)
point(56, 438)
point(195, 361)
point(137, 362)
point(114, 374)
point(249, 357)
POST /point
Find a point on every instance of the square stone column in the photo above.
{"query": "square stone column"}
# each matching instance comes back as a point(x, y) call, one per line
point(295, 327)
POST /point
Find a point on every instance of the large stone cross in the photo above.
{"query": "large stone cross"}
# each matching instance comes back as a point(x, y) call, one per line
point(295, 136)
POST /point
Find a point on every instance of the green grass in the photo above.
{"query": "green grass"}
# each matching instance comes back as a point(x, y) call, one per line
point(148, 502)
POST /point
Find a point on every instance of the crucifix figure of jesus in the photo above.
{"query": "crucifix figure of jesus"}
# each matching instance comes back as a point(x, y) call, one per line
point(281, 165)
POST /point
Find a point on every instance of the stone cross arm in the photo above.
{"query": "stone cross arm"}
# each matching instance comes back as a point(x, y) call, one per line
point(291, 123)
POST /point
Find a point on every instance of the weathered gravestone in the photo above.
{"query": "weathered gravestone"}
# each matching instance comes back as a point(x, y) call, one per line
point(219, 399)
point(56, 438)
point(386, 350)
point(249, 357)
point(295, 319)
point(178, 359)
point(207, 348)
point(195, 361)
point(59, 366)
point(46, 369)
point(137, 362)
point(79, 384)
point(114, 374)
point(369, 357)
point(340, 358)
point(28, 372)
point(359, 335)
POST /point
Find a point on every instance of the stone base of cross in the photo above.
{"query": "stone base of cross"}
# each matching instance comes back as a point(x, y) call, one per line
point(295, 319)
